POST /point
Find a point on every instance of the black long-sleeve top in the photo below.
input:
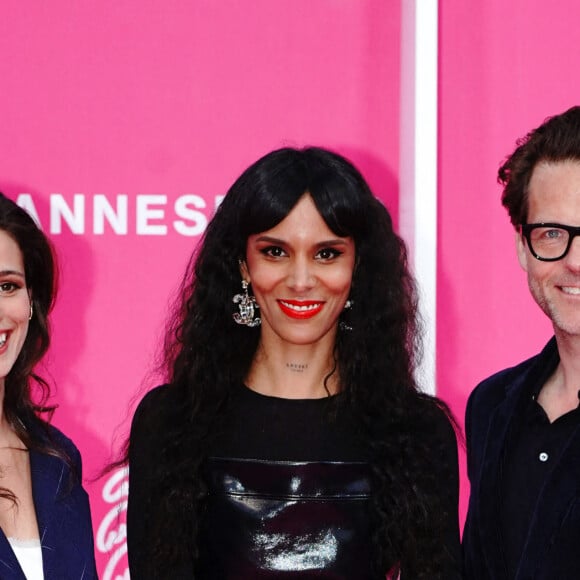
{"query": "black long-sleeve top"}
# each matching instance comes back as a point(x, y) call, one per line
point(259, 427)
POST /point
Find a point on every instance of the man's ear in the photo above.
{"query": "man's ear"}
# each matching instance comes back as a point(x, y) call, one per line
point(522, 251)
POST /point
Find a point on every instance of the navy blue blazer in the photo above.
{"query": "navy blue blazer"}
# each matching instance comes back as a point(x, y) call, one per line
point(552, 548)
point(63, 515)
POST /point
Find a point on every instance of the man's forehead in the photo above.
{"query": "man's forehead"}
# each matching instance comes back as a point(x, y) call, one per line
point(554, 192)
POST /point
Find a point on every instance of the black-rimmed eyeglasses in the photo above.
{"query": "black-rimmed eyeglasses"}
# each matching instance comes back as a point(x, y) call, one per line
point(549, 241)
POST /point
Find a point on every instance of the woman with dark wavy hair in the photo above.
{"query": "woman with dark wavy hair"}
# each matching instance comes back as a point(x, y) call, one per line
point(45, 522)
point(291, 440)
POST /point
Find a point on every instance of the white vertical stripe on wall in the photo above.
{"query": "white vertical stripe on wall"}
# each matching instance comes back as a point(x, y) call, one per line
point(418, 163)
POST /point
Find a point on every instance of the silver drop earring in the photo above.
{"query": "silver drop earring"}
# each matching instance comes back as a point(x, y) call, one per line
point(247, 306)
point(31, 311)
point(342, 324)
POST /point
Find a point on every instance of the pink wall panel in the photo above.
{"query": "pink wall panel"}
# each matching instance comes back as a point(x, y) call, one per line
point(504, 67)
point(147, 103)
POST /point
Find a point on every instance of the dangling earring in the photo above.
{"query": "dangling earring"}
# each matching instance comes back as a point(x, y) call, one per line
point(342, 324)
point(247, 306)
point(31, 311)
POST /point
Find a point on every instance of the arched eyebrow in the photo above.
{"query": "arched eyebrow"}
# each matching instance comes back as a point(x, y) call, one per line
point(334, 242)
point(12, 273)
point(270, 240)
point(323, 244)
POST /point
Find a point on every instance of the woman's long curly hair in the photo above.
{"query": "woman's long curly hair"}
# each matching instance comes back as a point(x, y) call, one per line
point(25, 392)
point(207, 355)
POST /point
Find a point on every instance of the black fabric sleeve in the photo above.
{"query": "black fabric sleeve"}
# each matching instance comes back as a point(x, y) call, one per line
point(444, 452)
point(449, 478)
point(145, 456)
point(142, 458)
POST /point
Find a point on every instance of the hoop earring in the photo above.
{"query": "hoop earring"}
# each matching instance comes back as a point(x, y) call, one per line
point(31, 311)
point(247, 305)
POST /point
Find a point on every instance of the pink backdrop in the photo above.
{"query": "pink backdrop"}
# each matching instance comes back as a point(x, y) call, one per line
point(149, 111)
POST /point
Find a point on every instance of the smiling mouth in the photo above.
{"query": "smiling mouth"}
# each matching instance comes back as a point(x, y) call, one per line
point(3, 338)
point(574, 290)
point(300, 309)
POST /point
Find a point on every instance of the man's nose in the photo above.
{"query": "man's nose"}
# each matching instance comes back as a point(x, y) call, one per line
point(572, 258)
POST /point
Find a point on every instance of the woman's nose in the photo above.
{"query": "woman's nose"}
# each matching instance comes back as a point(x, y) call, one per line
point(301, 274)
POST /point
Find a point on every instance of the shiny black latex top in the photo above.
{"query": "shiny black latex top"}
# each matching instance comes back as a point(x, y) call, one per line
point(281, 519)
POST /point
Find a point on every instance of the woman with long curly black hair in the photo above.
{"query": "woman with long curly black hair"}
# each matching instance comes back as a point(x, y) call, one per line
point(291, 439)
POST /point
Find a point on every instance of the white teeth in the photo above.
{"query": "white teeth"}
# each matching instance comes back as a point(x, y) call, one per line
point(3, 338)
point(300, 308)
point(571, 289)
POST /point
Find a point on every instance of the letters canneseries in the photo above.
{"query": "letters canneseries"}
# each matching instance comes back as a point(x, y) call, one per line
point(141, 215)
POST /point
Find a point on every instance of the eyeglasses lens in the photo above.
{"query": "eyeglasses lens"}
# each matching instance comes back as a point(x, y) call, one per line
point(549, 242)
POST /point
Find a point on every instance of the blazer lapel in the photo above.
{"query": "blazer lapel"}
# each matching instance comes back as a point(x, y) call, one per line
point(49, 475)
point(490, 484)
point(9, 567)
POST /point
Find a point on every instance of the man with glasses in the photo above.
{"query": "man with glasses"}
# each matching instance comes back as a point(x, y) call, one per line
point(523, 424)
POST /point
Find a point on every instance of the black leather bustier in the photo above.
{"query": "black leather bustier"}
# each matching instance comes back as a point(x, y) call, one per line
point(278, 519)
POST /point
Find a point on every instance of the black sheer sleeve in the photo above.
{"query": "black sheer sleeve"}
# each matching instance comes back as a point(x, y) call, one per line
point(143, 456)
point(449, 480)
point(446, 480)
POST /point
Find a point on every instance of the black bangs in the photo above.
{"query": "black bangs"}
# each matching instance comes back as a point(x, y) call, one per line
point(340, 193)
point(268, 190)
point(344, 208)
point(279, 182)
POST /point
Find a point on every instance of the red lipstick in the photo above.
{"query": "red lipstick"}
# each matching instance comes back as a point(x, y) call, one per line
point(300, 309)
